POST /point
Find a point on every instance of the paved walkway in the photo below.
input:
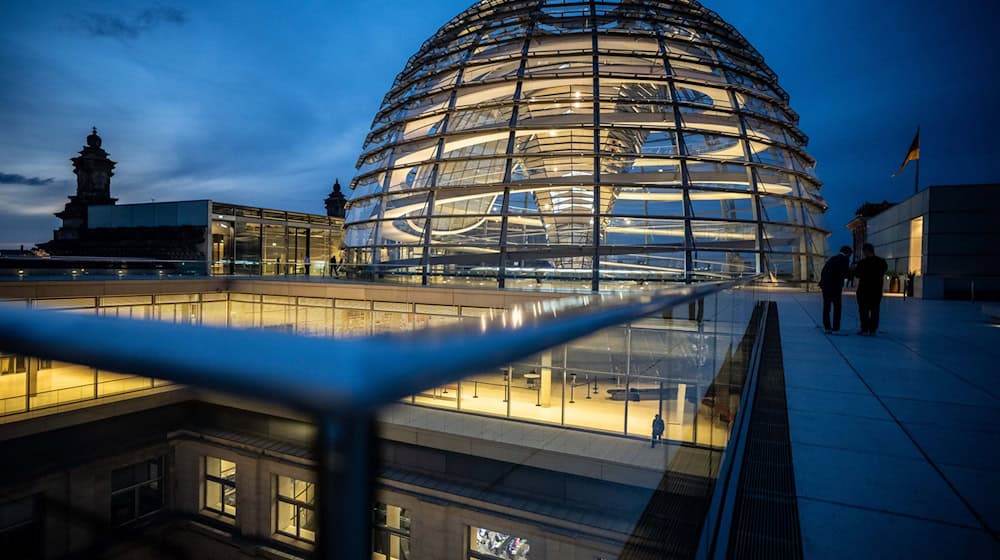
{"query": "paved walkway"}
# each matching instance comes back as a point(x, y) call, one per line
point(895, 439)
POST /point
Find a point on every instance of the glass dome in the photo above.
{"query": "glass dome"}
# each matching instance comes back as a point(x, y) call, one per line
point(603, 144)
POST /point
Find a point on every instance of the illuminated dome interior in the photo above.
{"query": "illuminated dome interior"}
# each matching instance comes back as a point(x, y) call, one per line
point(602, 144)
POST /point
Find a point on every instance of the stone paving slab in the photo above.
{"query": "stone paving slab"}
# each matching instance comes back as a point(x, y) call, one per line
point(838, 532)
point(876, 481)
point(895, 438)
point(842, 404)
point(840, 431)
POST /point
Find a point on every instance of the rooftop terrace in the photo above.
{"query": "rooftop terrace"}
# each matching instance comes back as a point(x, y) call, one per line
point(895, 439)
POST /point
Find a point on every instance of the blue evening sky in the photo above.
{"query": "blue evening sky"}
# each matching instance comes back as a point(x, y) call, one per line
point(266, 103)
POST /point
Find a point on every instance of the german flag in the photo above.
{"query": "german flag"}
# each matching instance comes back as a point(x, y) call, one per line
point(912, 155)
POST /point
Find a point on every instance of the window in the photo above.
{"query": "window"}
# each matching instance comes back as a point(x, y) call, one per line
point(220, 486)
point(136, 491)
point(916, 246)
point(390, 533)
point(487, 544)
point(21, 529)
point(295, 514)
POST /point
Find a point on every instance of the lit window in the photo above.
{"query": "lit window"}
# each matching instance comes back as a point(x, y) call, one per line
point(220, 486)
point(916, 245)
point(490, 545)
point(295, 510)
point(390, 533)
point(136, 491)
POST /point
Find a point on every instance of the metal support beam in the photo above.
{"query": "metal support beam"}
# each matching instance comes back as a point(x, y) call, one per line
point(346, 455)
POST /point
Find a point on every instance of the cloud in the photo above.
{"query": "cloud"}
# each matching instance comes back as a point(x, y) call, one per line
point(111, 25)
point(15, 179)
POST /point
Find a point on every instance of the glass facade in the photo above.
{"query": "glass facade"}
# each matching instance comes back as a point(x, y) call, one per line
point(249, 241)
point(685, 365)
point(32, 384)
point(598, 143)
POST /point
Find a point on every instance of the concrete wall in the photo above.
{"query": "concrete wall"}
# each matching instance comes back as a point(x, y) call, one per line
point(963, 231)
point(86, 490)
point(440, 521)
point(889, 232)
point(961, 240)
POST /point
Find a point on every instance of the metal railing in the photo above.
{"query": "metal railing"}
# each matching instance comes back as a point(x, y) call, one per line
point(716, 530)
point(340, 381)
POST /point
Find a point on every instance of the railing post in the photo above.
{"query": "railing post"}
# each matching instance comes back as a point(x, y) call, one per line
point(346, 455)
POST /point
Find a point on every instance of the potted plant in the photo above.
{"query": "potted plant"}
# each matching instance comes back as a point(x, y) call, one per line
point(893, 281)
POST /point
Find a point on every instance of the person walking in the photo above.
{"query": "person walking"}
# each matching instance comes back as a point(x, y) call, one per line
point(333, 266)
point(831, 281)
point(657, 430)
point(870, 272)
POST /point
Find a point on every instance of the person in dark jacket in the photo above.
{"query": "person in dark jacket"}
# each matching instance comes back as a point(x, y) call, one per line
point(870, 272)
point(831, 281)
point(658, 427)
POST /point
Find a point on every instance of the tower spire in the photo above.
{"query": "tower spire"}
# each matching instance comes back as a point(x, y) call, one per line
point(93, 169)
point(336, 203)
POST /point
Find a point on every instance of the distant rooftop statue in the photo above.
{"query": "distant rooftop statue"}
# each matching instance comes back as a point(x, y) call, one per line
point(336, 203)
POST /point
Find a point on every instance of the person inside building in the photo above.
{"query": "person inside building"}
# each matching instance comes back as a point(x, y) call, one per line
point(870, 272)
point(835, 271)
point(333, 265)
point(657, 429)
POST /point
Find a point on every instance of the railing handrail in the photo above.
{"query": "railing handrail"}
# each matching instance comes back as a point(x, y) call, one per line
point(323, 375)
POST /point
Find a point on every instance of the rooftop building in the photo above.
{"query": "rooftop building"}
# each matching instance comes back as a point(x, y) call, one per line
point(945, 237)
point(199, 237)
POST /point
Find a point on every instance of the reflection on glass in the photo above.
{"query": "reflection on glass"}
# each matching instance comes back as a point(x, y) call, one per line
point(488, 544)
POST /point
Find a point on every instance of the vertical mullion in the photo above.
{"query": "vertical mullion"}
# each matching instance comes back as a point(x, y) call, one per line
point(760, 259)
point(432, 192)
point(595, 265)
point(683, 154)
point(509, 164)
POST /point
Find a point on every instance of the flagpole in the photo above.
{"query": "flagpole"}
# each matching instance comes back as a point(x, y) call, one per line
point(916, 179)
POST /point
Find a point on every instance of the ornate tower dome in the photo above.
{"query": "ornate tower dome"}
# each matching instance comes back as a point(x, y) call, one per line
point(595, 143)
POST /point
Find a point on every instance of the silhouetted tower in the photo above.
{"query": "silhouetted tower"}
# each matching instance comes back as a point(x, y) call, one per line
point(93, 171)
point(336, 202)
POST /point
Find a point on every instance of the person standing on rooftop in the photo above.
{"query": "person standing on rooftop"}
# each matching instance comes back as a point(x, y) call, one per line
point(870, 272)
point(831, 281)
point(658, 427)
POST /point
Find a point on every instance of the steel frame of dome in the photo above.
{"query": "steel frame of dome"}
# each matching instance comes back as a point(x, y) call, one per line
point(608, 143)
